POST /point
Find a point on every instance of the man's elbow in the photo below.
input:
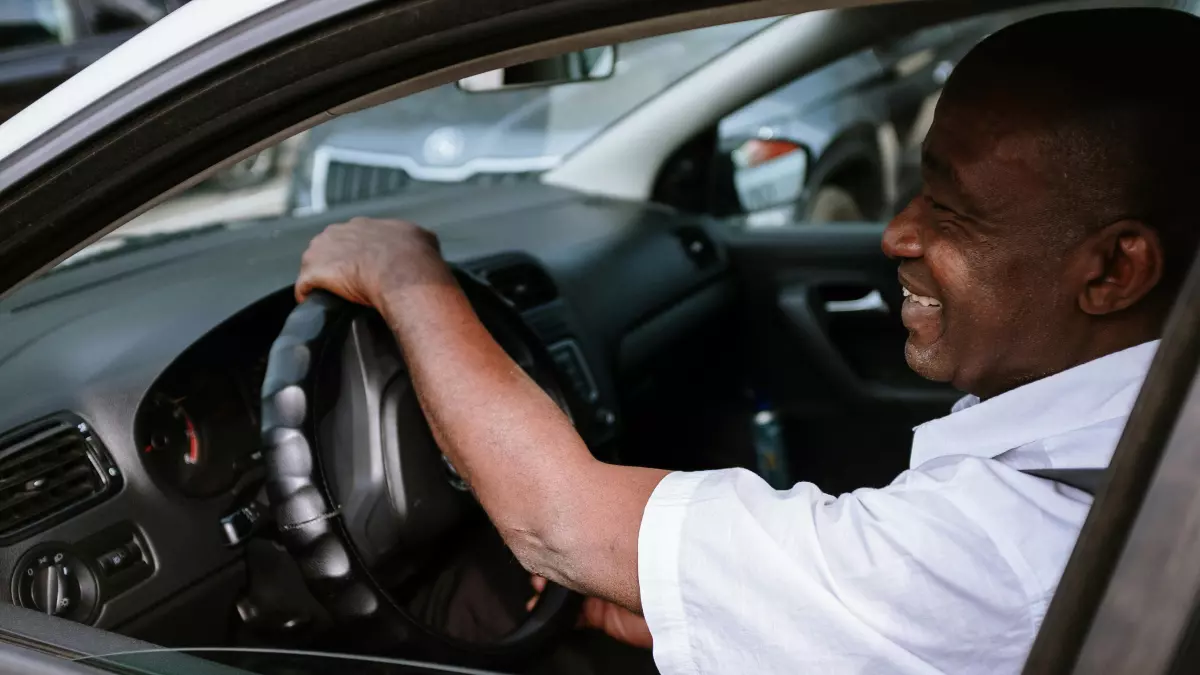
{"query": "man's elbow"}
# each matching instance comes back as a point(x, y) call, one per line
point(551, 528)
point(549, 550)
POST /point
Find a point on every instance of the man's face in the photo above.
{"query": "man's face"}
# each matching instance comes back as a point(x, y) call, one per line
point(982, 257)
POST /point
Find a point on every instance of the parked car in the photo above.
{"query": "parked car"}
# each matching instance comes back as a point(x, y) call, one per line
point(860, 122)
point(45, 42)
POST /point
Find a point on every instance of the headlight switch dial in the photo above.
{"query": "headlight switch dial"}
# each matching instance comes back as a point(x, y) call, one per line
point(51, 578)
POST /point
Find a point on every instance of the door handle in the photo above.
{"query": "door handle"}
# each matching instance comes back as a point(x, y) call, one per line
point(871, 303)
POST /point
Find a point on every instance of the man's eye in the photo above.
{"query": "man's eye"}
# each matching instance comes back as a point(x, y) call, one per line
point(946, 226)
point(938, 208)
point(947, 220)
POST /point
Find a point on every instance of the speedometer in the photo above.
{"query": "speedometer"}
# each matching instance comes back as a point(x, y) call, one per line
point(174, 450)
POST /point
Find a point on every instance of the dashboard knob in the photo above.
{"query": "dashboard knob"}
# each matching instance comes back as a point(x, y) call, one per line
point(51, 590)
point(53, 579)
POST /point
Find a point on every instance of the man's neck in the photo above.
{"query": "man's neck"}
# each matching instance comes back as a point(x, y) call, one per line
point(1101, 344)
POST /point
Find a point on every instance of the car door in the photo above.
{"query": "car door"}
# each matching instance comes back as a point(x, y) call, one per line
point(825, 350)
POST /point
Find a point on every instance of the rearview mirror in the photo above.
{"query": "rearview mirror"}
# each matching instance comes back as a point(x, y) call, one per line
point(597, 63)
point(769, 173)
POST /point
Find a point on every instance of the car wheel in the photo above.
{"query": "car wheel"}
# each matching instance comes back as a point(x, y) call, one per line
point(832, 204)
point(254, 170)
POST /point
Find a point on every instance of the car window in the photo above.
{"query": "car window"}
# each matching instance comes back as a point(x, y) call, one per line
point(115, 16)
point(26, 23)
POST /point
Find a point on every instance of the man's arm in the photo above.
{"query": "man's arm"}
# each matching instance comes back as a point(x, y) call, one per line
point(565, 515)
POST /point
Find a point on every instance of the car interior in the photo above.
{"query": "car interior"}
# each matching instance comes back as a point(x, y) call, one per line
point(646, 280)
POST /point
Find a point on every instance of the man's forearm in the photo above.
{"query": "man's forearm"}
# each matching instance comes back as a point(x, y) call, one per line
point(565, 515)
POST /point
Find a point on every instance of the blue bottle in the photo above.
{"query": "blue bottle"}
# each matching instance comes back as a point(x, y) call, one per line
point(769, 450)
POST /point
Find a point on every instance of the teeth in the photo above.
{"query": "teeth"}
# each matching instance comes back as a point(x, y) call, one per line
point(923, 300)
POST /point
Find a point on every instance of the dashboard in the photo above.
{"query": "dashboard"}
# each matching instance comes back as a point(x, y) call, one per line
point(156, 355)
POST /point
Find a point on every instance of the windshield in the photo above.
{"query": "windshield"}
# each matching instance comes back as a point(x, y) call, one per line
point(448, 135)
point(439, 137)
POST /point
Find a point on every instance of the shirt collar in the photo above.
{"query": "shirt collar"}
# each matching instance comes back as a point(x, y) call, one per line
point(1087, 394)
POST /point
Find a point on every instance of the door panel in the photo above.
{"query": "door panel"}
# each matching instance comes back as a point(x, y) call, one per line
point(826, 347)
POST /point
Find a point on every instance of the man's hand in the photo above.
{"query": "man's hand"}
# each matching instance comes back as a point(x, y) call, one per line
point(366, 259)
point(616, 621)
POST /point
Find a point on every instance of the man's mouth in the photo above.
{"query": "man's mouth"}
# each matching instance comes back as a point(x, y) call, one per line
point(922, 315)
point(923, 300)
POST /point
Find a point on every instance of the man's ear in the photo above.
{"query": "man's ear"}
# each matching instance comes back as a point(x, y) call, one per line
point(1124, 262)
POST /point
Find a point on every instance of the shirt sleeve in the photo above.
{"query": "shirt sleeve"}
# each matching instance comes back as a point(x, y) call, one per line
point(737, 577)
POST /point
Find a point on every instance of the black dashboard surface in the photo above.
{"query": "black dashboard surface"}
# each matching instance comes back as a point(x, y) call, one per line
point(96, 338)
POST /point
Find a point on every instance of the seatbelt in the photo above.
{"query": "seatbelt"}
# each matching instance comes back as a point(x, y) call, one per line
point(1087, 480)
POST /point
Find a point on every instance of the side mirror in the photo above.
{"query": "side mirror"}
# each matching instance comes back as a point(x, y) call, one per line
point(769, 173)
point(597, 63)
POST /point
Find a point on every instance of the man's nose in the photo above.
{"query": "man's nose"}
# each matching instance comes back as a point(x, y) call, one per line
point(902, 237)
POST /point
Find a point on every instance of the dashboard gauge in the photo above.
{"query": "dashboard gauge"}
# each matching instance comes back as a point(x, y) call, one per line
point(173, 448)
point(197, 427)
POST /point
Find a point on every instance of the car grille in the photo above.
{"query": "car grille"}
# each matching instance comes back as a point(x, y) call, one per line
point(346, 183)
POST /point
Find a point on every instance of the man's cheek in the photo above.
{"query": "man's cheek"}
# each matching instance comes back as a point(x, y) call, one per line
point(954, 278)
point(973, 304)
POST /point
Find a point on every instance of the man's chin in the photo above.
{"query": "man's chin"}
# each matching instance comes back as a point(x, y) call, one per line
point(927, 361)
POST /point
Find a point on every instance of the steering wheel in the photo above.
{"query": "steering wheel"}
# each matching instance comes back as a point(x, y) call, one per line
point(358, 486)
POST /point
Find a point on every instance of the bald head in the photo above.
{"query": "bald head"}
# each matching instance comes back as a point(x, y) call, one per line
point(1106, 103)
point(1055, 222)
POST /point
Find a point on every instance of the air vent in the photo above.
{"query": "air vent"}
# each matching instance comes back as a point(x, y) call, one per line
point(697, 245)
point(50, 470)
point(525, 285)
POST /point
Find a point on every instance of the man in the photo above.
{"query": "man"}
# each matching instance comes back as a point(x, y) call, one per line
point(1038, 265)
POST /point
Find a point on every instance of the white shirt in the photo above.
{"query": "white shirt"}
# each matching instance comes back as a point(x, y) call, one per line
point(947, 570)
